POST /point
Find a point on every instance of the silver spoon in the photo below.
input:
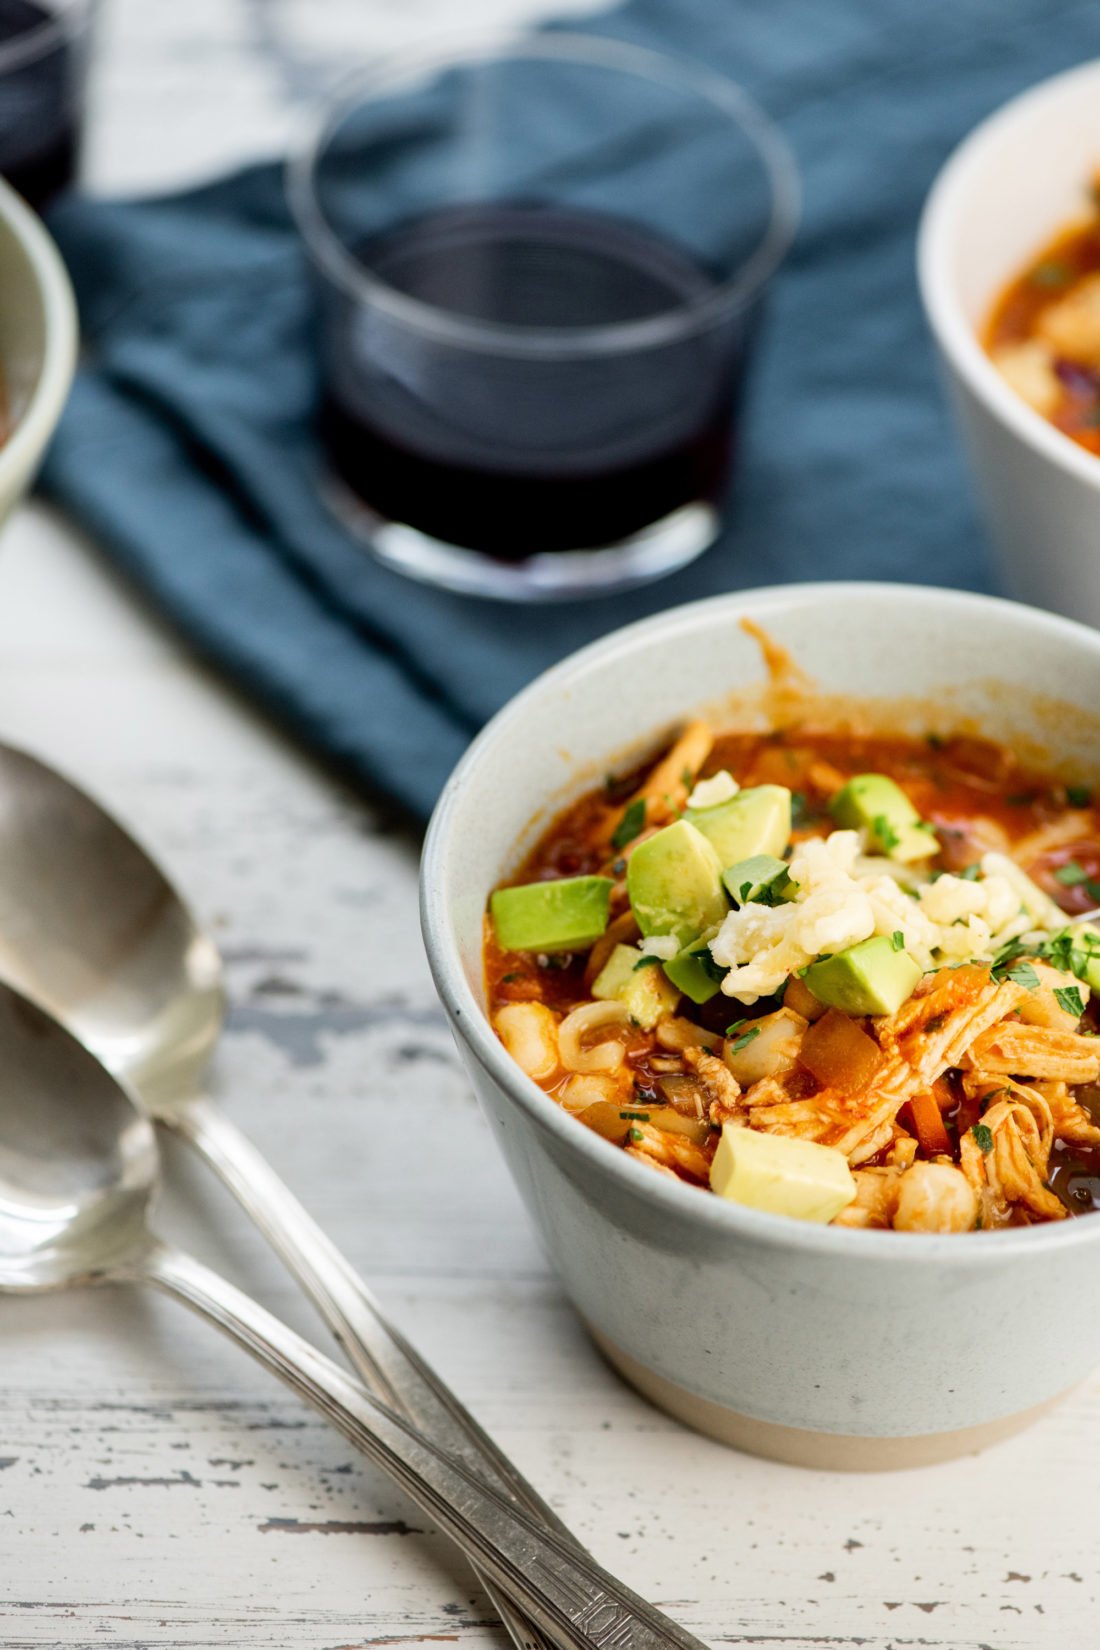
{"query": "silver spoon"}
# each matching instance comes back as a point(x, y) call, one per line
point(92, 929)
point(78, 1172)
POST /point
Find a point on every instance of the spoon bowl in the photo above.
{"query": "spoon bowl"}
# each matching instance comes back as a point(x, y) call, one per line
point(78, 1163)
point(91, 928)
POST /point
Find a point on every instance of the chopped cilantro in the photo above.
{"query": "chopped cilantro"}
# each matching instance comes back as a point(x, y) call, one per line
point(630, 824)
point(983, 1135)
point(1006, 956)
point(636, 1134)
point(897, 940)
point(1023, 974)
point(644, 962)
point(634, 1116)
point(735, 1027)
point(800, 809)
point(713, 971)
point(782, 992)
point(1069, 997)
point(745, 1039)
point(884, 833)
point(1078, 796)
point(1072, 875)
point(970, 873)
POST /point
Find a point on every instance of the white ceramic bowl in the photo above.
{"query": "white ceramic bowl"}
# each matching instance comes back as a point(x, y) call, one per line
point(814, 1344)
point(38, 338)
point(1015, 181)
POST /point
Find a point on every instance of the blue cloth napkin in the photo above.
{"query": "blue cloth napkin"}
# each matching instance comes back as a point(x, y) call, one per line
point(187, 447)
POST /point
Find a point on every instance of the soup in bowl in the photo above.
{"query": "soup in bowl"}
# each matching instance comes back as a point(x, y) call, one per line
point(762, 976)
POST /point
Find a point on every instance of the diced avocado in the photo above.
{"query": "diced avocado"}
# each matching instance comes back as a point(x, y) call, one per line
point(567, 914)
point(674, 880)
point(756, 821)
point(763, 879)
point(876, 804)
point(639, 983)
point(1086, 954)
point(781, 1175)
point(868, 978)
point(695, 972)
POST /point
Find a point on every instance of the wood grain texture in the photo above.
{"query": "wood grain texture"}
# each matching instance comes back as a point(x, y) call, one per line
point(156, 1490)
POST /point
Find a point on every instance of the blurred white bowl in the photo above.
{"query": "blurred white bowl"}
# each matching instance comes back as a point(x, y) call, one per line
point(38, 341)
point(1010, 186)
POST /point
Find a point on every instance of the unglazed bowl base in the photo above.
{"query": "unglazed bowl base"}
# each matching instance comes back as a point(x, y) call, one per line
point(798, 1446)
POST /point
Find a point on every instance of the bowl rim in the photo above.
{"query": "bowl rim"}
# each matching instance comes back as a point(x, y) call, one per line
point(34, 426)
point(470, 1022)
point(952, 329)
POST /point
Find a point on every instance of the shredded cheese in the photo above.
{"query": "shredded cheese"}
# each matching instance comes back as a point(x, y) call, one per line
point(708, 793)
point(844, 896)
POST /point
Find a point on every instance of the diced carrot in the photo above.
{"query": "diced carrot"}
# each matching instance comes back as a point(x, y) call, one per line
point(928, 1126)
point(839, 1053)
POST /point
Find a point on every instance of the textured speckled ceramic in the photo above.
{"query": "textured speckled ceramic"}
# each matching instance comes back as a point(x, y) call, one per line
point(814, 1344)
point(38, 337)
point(1022, 175)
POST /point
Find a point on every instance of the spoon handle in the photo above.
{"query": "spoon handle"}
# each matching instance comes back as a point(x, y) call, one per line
point(388, 1365)
point(576, 1604)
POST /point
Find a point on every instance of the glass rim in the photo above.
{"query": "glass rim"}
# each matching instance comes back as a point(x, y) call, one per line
point(35, 42)
point(734, 293)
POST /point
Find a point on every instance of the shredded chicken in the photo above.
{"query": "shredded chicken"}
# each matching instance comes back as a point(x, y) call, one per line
point(667, 785)
point(670, 1151)
point(720, 1087)
point(875, 1200)
point(1007, 1163)
point(1036, 1051)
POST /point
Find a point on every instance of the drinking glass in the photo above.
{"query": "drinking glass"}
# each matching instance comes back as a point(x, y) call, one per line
point(539, 267)
point(43, 63)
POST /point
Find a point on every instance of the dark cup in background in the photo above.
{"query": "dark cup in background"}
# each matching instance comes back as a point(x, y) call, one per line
point(43, 62)
point(539, 267)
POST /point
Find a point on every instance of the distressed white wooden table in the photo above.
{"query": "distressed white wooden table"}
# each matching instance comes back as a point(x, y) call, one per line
point(155, 1488)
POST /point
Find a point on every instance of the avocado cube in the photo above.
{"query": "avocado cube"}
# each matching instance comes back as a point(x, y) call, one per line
point(763, 880)
point(755, 821)
point(695, 972)
point(1086, 954)
point(639, 983)
point(567, 914)
point(674, 880)
point(781, 1175)
point(868, 978)
point(874, 803)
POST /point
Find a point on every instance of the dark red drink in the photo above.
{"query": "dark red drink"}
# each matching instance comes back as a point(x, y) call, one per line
point(516, 451)
point(41, 73)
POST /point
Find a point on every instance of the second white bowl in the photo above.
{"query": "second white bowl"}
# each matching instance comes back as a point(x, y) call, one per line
point(1005, 192)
